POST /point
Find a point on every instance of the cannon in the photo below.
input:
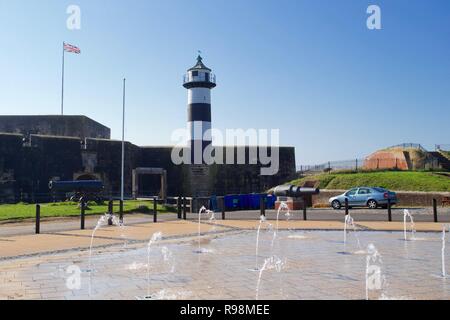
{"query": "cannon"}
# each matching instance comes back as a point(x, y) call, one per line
point(80, 190)
point(294, 191)
point(295, 197)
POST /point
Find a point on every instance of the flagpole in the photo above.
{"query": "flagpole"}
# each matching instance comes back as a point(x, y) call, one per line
point(123, 144)
point(62, 82)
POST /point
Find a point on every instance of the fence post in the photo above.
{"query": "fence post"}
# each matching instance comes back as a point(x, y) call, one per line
point(184, 208)
point(121, 211)
point(155, 210)
point(389, 210)
point(435, 213)
point(223, 208)
point(262, 206)
point(305, 217)
point(346, 206)
point(38, 219)
point(110, 212)
point(179, 200)
point(82, 214)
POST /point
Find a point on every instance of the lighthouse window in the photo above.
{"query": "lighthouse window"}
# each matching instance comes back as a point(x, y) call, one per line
point(195, 73)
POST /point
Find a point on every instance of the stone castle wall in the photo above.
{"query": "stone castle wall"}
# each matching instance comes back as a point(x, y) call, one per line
point(65, 126)
point(27, 165)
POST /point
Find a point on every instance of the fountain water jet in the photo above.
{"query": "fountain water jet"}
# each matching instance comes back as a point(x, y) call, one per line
point(168, 258)
point(350, 222)
point(270, 263)
point(212, 219)
point(283, 207)
point(262, 221)
point(203, 210)
point(407, 214)
point(102, 221)
point(157, 236)
point(444, 230)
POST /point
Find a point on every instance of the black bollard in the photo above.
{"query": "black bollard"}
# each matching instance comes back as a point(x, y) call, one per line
point(155, 210)
point(305, 216)
point(38, 219)
point(110, 212)
point(83, 207)
point(223, 208)
point(262, 205)
point(121, 211)
point(346, 206)
point(389, 210)
point(435, 213)
point(184, 208)
point(179, 207)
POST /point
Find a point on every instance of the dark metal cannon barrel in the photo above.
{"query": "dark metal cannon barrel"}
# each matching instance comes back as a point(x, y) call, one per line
point(294, 191)
point(76, 186)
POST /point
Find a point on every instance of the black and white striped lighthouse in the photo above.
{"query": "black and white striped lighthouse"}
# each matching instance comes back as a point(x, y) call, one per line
point(199, 80)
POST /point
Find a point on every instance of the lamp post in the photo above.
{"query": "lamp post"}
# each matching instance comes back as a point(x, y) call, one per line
point(123, 153)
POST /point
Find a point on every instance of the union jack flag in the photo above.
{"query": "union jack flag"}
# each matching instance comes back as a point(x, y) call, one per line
point(71, 48)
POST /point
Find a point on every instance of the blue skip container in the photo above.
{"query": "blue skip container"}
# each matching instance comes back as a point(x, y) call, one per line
point(232, 202)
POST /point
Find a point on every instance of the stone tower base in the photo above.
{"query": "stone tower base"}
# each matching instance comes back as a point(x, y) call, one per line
point(200, 180)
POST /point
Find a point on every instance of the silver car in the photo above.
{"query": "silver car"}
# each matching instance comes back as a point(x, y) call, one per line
point(364, 197)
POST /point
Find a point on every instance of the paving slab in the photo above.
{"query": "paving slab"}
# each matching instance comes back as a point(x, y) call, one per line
point(399, 226)
point(33, 244)
point(283, 224)
point(53, 242)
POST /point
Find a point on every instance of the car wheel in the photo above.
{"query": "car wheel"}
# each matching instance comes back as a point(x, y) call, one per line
point(336, 205)
point(372, 204)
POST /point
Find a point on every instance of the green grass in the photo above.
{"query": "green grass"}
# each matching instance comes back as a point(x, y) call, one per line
point(392, 180)
point(69, 209)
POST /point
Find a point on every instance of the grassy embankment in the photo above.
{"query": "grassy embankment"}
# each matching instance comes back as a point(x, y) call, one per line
point(392, 180)
point(68, 209)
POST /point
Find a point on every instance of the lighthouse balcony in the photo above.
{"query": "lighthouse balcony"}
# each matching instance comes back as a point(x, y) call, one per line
point(205, 80)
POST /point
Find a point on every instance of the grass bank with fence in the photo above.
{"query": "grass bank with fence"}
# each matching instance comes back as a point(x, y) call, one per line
point(22, 211)
point(392, 180)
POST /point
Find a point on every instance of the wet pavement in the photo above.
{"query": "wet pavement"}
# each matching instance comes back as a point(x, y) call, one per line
point(312, 265)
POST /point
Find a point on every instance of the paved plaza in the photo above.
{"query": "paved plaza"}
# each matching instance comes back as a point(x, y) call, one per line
point(304, 260)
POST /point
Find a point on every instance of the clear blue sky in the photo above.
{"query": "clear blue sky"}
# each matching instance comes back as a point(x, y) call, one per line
point(335, 89)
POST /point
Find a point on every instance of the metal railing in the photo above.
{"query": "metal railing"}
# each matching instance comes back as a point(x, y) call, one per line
point(443, 147)
point(373, 164)
point(408, 146)
point(355, 164)
point(200, 78)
